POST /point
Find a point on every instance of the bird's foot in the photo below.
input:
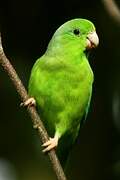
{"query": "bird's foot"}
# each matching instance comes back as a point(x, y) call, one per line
point(29, 102)
point(50, 144)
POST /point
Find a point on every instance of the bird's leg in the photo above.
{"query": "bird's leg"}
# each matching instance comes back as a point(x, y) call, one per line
point(29, 102)
point(50, 144)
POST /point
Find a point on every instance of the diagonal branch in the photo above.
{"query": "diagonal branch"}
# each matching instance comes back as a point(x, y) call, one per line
point(37, 123)
point(113, 9)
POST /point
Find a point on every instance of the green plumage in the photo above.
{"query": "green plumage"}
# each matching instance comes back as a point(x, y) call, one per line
point(61, 83)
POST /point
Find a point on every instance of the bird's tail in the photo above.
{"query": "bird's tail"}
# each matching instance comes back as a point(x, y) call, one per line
point(63, 150)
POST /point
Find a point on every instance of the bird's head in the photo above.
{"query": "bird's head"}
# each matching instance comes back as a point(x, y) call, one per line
point(76, 35)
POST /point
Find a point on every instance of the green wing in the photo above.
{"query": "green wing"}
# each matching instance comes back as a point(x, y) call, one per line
point(62, 97)
point(88, 106)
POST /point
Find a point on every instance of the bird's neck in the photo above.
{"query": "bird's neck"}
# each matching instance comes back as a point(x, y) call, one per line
point(67, 51)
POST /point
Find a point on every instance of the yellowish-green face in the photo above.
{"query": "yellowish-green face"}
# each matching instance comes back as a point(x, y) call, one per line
point(77, 32)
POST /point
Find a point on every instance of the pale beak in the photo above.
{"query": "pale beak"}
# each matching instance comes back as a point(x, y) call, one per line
point(92, 40)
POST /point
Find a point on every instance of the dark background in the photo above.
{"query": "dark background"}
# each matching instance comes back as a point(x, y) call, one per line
point(27, 27)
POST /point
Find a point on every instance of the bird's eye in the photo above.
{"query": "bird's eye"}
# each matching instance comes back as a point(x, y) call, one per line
point(76, 32)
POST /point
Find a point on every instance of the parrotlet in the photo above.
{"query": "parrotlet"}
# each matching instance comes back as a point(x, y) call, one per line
point(61, 84)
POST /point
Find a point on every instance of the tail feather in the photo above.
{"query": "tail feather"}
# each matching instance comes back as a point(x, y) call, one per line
point(63, 150)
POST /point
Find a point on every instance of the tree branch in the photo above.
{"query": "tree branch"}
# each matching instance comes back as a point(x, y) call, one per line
point(37, 123)
point(112, 9)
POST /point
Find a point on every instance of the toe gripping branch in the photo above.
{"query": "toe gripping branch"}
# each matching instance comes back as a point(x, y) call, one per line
point(29, 102)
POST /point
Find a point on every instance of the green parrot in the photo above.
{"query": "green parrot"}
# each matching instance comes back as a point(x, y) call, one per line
point(61, 84)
